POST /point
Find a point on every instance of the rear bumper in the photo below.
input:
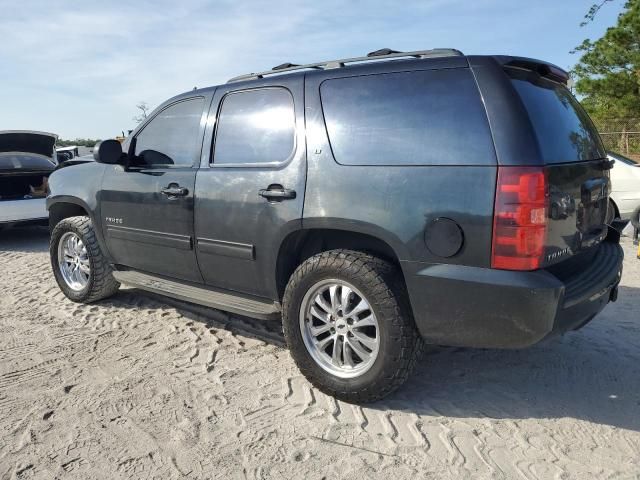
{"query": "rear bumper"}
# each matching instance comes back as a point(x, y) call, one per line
point(482, 307)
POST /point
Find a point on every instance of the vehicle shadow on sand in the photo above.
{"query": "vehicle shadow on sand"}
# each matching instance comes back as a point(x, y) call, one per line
point(592, 374)
point(24, 239)
point(265, 331)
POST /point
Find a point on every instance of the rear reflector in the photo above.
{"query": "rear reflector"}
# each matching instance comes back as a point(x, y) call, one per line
point(519, 218)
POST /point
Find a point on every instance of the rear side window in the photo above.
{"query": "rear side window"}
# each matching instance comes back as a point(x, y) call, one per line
point(433, 117)
point(563, 129)
point(171, 137)
point(255, 127)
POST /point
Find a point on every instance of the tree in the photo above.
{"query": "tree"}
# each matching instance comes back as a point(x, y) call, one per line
point(84, 142)
point(608, 73)
point(144, 111)
point(593, 11)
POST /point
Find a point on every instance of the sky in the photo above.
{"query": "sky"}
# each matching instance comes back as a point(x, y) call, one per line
point(78, 68)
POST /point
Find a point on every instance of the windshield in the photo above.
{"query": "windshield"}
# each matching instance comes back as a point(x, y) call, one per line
point(563, 129)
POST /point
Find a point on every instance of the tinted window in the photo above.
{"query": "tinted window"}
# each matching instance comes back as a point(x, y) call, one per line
point(563, 129)
point(256, 126)
point(413, 118)
point(172, 137)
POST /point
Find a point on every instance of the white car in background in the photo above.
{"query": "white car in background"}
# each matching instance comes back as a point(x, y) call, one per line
point(625, 186)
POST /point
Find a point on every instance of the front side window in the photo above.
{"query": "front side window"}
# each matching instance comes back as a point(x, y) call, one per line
point(171, 137)
point(255, 127)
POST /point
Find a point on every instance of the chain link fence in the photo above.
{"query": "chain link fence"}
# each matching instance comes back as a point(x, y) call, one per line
point(621, 135)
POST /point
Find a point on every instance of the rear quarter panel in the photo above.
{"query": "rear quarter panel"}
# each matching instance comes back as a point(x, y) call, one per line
point(396, 203)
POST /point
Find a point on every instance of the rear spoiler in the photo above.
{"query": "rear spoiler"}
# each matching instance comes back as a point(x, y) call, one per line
point(544, 69)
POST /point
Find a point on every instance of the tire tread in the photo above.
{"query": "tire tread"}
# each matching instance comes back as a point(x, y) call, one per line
point(102, 284)
point(382, 279)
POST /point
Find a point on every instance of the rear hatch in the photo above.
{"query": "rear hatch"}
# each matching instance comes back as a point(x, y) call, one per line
point(576, 167)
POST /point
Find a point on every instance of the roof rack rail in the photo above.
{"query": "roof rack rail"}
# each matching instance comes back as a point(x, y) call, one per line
point(383, 53)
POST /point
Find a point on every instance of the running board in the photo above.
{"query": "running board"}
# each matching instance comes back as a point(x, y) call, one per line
point(238, 304)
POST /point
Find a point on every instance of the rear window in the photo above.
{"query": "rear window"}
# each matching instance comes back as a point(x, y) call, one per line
point(432, 117)
point(563, 129)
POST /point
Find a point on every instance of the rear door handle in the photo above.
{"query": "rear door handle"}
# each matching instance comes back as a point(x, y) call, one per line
point(277, 193)
point(174, 190)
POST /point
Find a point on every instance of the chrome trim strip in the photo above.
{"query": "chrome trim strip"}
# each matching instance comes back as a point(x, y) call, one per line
point(163, 239)
point(226, 249)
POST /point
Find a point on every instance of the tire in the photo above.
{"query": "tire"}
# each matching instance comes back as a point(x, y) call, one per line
point(376, 281)
point(99, 279)
point(611, 213)
point(635, 218)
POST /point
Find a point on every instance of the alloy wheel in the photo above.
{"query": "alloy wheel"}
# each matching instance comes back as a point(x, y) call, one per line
point(73, 261)
point(339, 328)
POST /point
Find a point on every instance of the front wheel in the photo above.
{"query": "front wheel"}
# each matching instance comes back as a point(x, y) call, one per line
point(81, 270)
point(348, 325)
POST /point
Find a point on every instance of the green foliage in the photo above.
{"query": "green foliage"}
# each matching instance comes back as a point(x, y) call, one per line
point(82, 142)
point(608, 73)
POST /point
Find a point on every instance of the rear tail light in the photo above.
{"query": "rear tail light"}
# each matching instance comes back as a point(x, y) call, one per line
point(519, 218)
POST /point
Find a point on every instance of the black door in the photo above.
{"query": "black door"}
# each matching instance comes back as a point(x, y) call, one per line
point(147, 207)
point(250, 195)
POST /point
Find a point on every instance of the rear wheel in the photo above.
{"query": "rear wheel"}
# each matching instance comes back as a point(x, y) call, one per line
point(349, 326)
point(81, 270)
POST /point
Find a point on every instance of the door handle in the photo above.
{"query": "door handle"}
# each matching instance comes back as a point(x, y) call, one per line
point(174, 190)
point(277, 193)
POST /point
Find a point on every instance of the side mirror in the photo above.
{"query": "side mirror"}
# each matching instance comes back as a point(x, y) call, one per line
point(108, 151)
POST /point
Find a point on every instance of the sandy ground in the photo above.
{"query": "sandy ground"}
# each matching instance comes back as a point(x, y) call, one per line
point(138, 387)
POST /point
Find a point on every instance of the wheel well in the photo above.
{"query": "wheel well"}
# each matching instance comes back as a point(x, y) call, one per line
point(303, 244)
point(60, 211)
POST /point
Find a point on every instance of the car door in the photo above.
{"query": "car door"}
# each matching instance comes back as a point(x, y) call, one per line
point(147, 205)
point(250, 190)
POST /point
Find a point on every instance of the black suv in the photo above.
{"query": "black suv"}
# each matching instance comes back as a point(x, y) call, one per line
point(373, 203)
